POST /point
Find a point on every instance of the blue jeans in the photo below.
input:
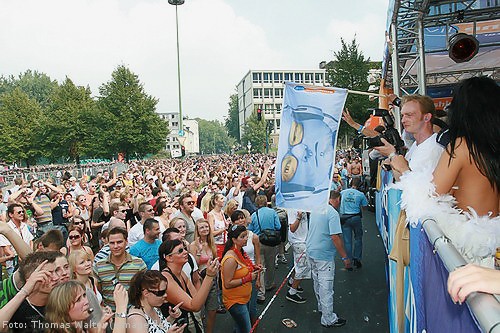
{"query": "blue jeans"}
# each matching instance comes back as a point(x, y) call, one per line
point(241, 317)
point(350, 227)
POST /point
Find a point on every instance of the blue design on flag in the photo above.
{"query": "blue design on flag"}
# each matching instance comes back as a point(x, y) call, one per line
point(306, 151)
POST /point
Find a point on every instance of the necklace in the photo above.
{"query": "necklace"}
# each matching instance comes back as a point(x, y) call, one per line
point(243, 257)
point(34, 308)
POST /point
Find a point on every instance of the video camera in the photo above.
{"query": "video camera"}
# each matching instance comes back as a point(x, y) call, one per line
point(389, 133)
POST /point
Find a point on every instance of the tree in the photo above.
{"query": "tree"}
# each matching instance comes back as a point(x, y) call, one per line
point(135, 127)
point(214, 137)
point(254, 131)
point(349, 70)
point(69, 125)
point(38, 86)
point(232, 121)
point(20, 127)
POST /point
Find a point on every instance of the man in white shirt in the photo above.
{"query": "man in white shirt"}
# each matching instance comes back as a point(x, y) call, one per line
point(417, 112)
point(297, 233)
point(16, 213)
point(136, 233)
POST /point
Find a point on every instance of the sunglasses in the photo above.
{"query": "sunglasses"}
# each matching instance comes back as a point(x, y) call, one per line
point(123, 211)
point(150, 210)
point(189, 203)
point(79, 222)
point(19, 212)
point(180, 251)
point(74, 237)
point(159, 293)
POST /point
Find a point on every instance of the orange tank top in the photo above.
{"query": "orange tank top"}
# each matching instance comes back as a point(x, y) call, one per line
point(240, 294)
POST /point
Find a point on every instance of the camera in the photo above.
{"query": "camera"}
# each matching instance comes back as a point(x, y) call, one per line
point(389, 133)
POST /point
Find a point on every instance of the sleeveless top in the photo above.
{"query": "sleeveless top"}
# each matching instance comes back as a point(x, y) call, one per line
point(240, 294)
point(249, 248)
point(153, 327)
point(220, 225)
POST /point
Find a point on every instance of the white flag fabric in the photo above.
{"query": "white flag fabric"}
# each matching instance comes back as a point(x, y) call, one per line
point(308, 136)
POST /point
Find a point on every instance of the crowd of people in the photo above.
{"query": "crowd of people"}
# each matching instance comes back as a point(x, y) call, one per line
point(167, 245)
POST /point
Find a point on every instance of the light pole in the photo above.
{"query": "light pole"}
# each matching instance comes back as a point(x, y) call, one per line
point(177, 3)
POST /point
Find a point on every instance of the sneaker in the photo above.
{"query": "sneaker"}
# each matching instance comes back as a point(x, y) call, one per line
point(295, 298)
point(299, 288)
point(261, 300)
point(339, 323)
point(356, 263)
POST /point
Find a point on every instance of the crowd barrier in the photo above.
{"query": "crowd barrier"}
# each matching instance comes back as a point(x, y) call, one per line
point(427, 304)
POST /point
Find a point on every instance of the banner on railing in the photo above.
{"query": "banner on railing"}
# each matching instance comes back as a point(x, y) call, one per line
point(306, 151)
point(428, 306)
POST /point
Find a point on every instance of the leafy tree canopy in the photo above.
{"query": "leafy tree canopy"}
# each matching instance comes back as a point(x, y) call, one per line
point(254, 131)
point(232, 121)
point(214, 137)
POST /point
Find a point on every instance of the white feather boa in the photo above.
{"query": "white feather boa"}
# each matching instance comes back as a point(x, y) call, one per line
point(475, 237)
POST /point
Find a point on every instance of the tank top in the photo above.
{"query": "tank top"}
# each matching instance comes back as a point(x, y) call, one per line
point(220, 225)
point(153, 327)
point(249, 248)
point(240, 294)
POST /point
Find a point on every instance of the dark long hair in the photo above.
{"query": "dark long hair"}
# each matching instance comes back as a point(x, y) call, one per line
point(165, 249)
point(143, 280)
point(233, 231)
point(474, 115)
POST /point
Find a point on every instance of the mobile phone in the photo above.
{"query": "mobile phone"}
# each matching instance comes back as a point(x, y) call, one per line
point(180, 321)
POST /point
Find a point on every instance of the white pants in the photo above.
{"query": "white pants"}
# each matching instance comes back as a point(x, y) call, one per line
point(323, 275)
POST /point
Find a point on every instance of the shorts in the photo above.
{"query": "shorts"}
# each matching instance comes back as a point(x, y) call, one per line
point(212, 303)
point(302, 268)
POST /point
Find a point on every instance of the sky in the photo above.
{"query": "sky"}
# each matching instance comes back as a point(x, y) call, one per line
point(220, 41)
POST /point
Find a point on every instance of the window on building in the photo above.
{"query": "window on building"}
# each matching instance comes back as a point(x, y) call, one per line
point(268, 77)
point(309, 78)
point(257, 92)
point(278, 92)
point(288, 76)
point(278, 123)
point(278, 77)
point(268, 107)
point(268, 92)
point(318, 77)
point(258, 106)
point(175, 123)
point(172, 116)
point(257, 77)
point(299, 77)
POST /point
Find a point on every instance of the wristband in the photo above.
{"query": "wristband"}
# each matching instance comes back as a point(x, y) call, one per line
point(121, 314)
point(361, 128)
point(246, 278)
point(212, 276)
point(391, 155)
point(345, 258)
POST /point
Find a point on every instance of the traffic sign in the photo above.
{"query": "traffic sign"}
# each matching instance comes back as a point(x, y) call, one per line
point(181, 132)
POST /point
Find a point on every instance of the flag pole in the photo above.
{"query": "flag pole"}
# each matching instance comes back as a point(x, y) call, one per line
point(365, 93)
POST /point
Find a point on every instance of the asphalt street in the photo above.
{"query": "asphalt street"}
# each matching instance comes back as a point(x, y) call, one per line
point(360, 295)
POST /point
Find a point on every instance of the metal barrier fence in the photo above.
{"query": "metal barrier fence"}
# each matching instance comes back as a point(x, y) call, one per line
point(77, 172)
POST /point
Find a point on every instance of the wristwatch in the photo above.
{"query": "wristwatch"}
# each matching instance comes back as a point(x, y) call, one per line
point(121, 314)
point(345, 258)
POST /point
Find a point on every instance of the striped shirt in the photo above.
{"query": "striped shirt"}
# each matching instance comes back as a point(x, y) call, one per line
point(104, 253)
point(108, 276)
point(44, 202)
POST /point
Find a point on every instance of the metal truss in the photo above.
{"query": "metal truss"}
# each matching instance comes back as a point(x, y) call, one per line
point(405, 62)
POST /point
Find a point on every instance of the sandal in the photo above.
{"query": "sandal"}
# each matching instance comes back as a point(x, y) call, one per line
point(289, 323)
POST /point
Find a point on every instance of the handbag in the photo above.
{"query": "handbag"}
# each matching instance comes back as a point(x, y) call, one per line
point(269, 237)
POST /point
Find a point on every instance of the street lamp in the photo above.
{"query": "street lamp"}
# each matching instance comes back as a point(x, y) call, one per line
point(177, 3)
point(249, 146)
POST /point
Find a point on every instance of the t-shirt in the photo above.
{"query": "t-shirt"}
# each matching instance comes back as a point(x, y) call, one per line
point(351, 201)
point(135, 234)
point(300, 234)
point(23, 232)
point(28, 318)
point(8, 290)
point(146, 251)
point(319, 244)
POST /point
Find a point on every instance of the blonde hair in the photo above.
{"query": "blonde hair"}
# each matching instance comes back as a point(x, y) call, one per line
point(73, 258)
point(231, 205)
point(210, 237)
point(175, 220)
point(60, 301)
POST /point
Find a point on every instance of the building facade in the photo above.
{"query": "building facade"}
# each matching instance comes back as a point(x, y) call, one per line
point(191, 136)
point(263, 89)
